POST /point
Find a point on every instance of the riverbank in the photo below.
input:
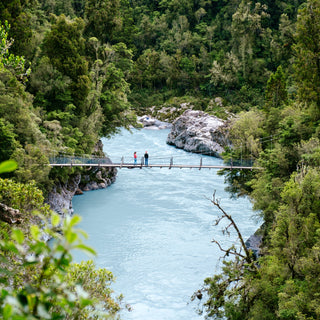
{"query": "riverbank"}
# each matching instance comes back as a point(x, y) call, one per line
point(153, 227)
point(61, 195)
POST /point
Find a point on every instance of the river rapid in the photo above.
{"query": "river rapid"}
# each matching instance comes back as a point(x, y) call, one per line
point(153, 227)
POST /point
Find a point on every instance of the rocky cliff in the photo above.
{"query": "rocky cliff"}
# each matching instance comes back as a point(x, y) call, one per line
point(197, 131)
point(60, 197)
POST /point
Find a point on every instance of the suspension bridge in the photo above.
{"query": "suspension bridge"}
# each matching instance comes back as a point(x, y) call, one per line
point(204, 163)
point(170, 163)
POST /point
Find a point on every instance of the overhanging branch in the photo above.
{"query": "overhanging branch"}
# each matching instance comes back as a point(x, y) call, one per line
point(248, 255)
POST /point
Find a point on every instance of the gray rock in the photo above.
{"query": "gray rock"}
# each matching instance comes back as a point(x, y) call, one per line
point(79, 192)
point(196, 131)
point(253, 243)
point(153, 123)
point(60, 197)
point(102, 185)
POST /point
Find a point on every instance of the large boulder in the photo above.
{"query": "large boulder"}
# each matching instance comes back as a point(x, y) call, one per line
point(198, 132)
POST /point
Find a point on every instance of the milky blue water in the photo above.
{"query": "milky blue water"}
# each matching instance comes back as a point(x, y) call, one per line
point(153, 227)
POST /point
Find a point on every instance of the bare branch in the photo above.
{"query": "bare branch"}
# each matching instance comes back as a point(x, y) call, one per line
point(248, 255)
point(228, 251)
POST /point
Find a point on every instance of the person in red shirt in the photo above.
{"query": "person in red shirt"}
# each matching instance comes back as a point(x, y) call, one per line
point(135, 157)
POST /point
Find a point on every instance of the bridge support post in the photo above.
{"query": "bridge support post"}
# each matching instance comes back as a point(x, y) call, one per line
point(171, 162)
point(141, 162)
point(122, 160)
point(200, 163)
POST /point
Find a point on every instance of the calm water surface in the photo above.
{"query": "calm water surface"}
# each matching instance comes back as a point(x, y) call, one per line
point(153, 227)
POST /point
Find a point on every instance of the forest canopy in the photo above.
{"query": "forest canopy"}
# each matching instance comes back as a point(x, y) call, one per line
point(73, 71)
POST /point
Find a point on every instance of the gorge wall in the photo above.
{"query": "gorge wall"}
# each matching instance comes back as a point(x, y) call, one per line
point(60, 196)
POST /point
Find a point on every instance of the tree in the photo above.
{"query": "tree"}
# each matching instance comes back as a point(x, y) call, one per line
point(276, 92)
point(115, 89)
point(8, 142)
point(50, 87)
point(246, 31)
point(291, 269)
point(102, 18)
point(245, 133)
point(148, 69)
point(107, 102)
point(14, 63)
point(64, 45)
point(226, 73)
point(59, 7)
point(17, 13)
point(307, 49)
point(226, 293)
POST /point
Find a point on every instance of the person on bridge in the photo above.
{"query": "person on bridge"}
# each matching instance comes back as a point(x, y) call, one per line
point(146, 158)
point(135, 157)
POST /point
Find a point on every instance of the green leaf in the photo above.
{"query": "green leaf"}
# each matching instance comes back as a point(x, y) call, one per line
point(18, 236)
point(35, 232)
point(8, 166)
point(7, 311)
point(83, 233)
point(74, 221)
point(71, 237)
point(85, 302)
point(55, 219)
point(83, 247)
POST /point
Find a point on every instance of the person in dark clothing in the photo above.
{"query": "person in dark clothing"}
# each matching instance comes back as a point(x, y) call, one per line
point(146, 158)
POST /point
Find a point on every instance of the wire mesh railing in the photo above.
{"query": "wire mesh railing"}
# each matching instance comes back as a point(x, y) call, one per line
point(171, 161)
point(79, 160)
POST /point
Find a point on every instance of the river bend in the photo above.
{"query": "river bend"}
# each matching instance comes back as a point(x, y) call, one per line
point(153, 227)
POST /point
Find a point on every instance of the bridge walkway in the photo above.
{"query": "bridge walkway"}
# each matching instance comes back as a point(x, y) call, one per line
point(168, 163)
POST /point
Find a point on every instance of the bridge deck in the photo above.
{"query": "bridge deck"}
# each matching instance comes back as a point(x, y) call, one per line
point(139, 166)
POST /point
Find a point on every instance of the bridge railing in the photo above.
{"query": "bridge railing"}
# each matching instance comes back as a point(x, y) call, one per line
point(87, 159)
point(78, 159)
point(239, 162)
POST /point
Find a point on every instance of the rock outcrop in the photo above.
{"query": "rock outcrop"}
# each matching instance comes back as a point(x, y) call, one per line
point(253, 244)
point(196, 131)
point(97, 178)
point(151, 123)
point(60, 197)
point(169, 112)
point(10, 215)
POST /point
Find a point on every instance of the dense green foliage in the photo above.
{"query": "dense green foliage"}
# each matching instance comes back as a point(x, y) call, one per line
point(72, 71)
point(93, 62)
point(38, 278)
point(283, 136)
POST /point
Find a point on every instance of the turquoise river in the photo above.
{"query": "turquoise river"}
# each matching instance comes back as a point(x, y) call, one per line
point(153, 227)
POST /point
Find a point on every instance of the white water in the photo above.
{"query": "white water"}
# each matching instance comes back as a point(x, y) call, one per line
point(153, 227)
